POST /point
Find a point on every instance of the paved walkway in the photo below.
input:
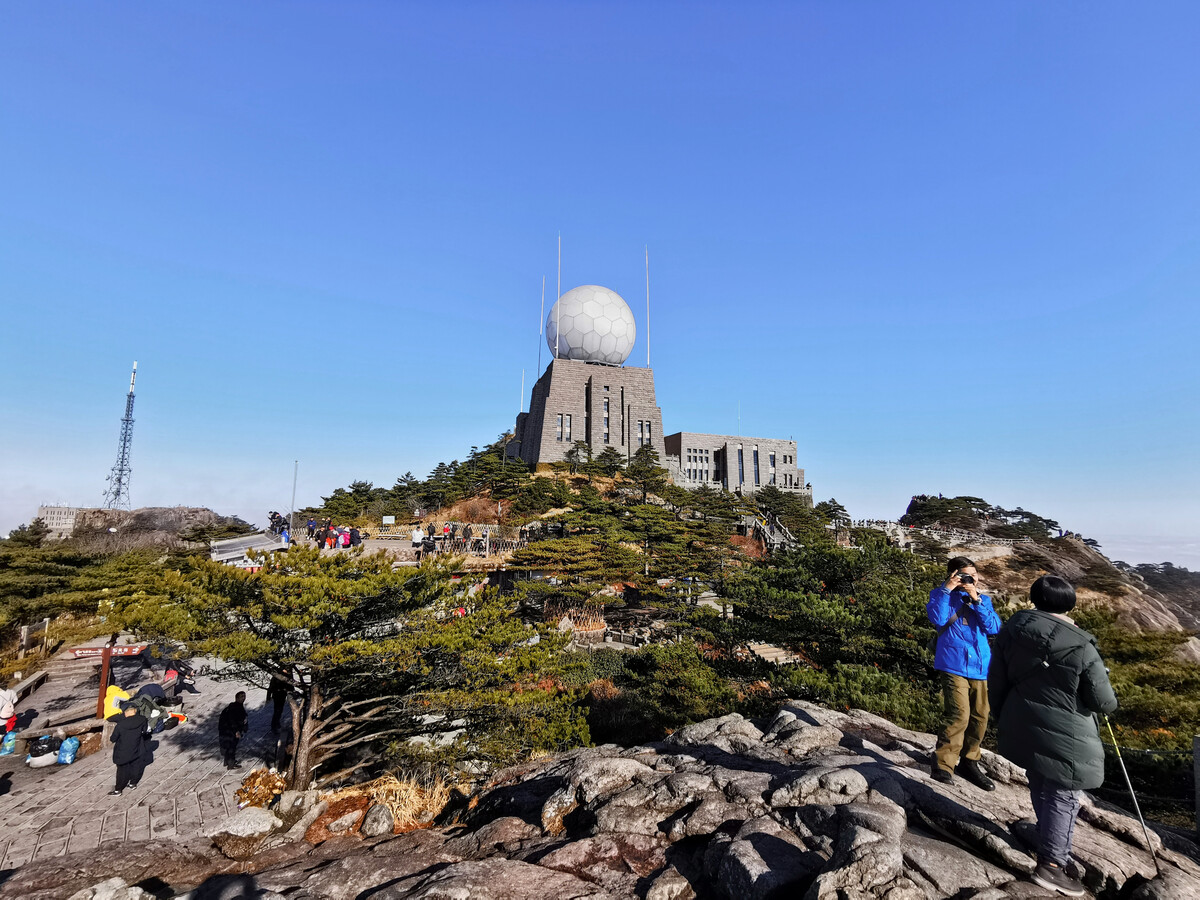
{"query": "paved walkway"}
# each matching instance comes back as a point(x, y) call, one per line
point(186, 789)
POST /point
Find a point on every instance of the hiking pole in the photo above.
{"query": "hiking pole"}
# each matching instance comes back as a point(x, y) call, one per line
point(1136, 808)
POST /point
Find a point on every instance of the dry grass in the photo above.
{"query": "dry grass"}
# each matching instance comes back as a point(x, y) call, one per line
point(413, 803)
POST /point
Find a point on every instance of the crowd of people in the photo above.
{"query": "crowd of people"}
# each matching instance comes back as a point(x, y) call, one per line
point(328, 536)
point(465, 538)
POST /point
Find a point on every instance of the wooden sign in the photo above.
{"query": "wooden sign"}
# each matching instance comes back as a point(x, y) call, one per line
point(119, 650)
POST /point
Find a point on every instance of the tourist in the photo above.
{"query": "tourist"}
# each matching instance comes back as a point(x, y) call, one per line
point(129, 740)
point(964, 618)
point(417, 536)
point(230, 728)
point(1047, 680)
point(355, 536)
point(286, 535)
point(277, 694)
point(311, 526)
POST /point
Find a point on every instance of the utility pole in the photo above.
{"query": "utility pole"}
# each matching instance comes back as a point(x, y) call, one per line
point(116, 496)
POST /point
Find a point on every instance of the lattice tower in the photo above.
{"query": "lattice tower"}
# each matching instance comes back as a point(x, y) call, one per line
point(116, 496)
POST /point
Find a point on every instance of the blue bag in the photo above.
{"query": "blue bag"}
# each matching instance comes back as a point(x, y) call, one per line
point(67, 750)
point(9, 744)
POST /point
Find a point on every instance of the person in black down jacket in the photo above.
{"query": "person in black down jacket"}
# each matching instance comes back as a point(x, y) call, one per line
point(230, 728)
point(128, 737)
point(1046, 682)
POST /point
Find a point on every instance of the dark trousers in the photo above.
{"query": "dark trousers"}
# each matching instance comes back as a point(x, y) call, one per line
point(229, 744)
point(280, 703)
point(130, 773)
point(1057, 807)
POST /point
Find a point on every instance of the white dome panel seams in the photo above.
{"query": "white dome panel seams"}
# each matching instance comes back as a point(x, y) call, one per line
point(596, 326)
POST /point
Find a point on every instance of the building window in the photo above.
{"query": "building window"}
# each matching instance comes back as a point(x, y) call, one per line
point(771, 459)
point(558, 432)
point(741, 467)
point(756, 466)
point(606, 391)
point(567, 435)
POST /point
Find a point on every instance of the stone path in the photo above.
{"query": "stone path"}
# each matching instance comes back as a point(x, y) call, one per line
point(186, 789)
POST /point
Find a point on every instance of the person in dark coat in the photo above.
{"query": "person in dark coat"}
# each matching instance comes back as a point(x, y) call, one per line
point(129, 737)
point(230, 728)
point(277, 693)
point(1046, 683)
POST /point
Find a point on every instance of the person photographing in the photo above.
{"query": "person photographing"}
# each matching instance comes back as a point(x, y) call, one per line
point(964, 618)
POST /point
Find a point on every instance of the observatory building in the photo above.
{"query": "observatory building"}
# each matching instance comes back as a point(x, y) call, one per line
point(588, 394)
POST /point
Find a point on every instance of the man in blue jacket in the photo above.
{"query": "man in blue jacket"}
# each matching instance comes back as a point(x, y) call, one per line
point(964, 618)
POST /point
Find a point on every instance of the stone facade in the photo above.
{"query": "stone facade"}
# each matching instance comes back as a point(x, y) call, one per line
point(741, 465)
point(606, 406)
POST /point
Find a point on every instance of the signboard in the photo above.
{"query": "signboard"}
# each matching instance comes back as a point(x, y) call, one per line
point(119, 650)
point(389, 520)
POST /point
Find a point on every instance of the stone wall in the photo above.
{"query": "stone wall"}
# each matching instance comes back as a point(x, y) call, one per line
point(578, 390)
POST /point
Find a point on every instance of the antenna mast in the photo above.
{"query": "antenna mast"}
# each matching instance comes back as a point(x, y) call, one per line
point(557, 307)
point(541, 324)
point(116, 496)
point(647, 306)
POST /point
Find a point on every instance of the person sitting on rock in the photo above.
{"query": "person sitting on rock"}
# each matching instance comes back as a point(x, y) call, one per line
point(964, 618)
point(1046, 680)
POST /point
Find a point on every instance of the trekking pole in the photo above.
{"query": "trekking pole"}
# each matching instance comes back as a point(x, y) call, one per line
point(1136, 808)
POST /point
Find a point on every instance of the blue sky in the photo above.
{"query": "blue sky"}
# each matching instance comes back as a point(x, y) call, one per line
point(947, 247)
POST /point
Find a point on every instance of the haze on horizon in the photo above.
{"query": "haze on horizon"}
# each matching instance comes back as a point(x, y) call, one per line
point(946, 248)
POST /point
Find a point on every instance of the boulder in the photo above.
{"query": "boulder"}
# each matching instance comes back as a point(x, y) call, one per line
point(243, 833)
point(377, 822)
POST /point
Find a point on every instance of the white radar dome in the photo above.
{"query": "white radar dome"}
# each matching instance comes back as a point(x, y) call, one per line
point(593, 324)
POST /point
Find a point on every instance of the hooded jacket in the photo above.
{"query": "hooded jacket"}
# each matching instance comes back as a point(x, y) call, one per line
point(127, 738)
point(962, 648)
point(1045, 683)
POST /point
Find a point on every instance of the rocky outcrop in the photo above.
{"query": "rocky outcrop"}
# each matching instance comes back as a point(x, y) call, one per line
point(813, 804)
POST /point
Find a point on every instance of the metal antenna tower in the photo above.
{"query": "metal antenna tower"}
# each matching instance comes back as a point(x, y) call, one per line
point(116, 496)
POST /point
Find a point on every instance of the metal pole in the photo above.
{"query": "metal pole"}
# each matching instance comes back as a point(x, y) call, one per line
point(541, 325)
point(292, 516)
point(105, 663)
point(557, 308)
point(647, 306)
point(1133, 796)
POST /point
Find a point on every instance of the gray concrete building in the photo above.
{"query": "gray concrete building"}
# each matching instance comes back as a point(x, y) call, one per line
point(59, 519)
point(740, 465)
point(604, 405)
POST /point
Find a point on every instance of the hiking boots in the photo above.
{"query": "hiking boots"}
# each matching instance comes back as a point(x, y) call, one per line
point(971, 770)
point(1055, 879)
point(942, 775)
